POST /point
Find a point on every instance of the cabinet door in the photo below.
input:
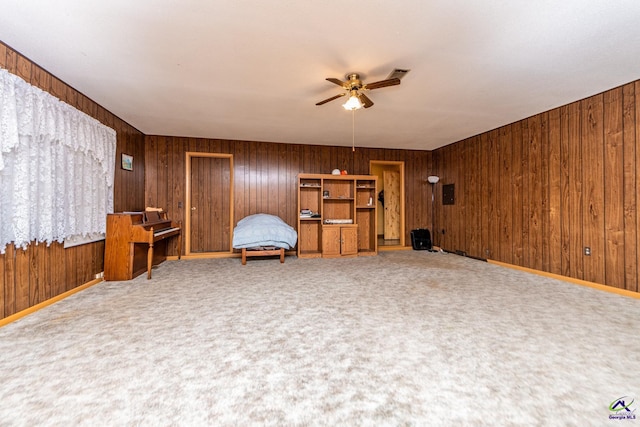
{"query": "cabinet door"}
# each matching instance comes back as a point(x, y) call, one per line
point(330, 241)
point(349, 240)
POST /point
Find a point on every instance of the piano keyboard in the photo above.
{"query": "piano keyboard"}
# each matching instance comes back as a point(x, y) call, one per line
point(165, 231)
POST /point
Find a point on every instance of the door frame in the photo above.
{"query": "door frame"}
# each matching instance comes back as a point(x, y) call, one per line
point(400, 168)
point(187, 228)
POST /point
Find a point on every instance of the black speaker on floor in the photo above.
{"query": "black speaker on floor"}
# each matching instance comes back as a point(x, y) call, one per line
point(421, 239)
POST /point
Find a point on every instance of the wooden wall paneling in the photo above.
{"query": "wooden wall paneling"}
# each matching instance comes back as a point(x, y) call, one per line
point(574, 182)
point(11, 61)
point(239, 179)
point(84, 264)
point(593, 182)
point(485, 207)
point(544, 201)
point(284, 182)
point(57, 265)
point(361, 162)
point(493, 193)
point(418, 213)
point(554, 230)
point(3, 284)
point(71, 273)
point(180, 209)
point(44, 273)
point(630, 120)
point(271, 183)
point(526, 195)
point(98, 256)
point(495, 196)
point(58, 88)
point(614, 190)
point(536, 200)
point(637, 182)
point(443, 212)
point(517, 202)
point(506, 195)
point(41, 78)
point(325, 160)
point(71, 98)
point(295, 167)
point(34, 281)
point(22, 278)
point(460, 202)
point(170, 205)
point(263, 177)
point(23, 68)
point(292, 176)
point(162, 176)
point(424, 217)
point(565, 189)
point(336, 160)
point(151, 178)
point(84, 261)
point(9, 280)
point(434, 219)
point(472, 188)
point(535, 194)
point(449, 211)
point(226, 202)
point(3, 56)
point(413, 187)
point(576, 266)
point(253, 182)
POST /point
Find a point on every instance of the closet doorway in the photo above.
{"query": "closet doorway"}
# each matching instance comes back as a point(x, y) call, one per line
point(390, 202)
point(209, 204)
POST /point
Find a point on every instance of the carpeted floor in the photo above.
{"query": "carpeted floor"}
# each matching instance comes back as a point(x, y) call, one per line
point(405, 338)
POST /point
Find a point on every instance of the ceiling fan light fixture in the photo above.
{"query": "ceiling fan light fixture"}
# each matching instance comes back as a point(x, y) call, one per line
point(353, 103)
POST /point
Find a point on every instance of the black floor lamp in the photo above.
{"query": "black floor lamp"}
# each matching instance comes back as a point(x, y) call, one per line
point(433, 180)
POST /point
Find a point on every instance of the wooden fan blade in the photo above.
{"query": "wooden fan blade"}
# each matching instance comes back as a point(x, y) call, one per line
point(330, 99)
point(382, 83)
point(366, 102)
point(337, 81)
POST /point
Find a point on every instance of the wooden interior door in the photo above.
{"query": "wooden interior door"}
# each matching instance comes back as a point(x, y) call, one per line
point(391, 181)
point(210, 203)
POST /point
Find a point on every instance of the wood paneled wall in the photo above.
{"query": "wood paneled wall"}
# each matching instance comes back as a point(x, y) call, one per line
point(535, 193)
point(266, 175)
point(32, 275)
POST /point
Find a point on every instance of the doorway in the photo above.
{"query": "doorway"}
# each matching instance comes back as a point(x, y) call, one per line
point(209, 203)
point(391, 202)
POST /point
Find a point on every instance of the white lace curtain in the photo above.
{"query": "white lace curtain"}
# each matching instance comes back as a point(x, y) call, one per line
point(56, 167)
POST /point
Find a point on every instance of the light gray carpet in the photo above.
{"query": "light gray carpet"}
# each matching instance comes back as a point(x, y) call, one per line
point(405, 338)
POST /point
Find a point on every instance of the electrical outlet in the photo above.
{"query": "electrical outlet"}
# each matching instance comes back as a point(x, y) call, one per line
point(587, 251)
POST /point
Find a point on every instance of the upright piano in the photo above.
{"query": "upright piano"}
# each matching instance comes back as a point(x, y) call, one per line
point(136, 241)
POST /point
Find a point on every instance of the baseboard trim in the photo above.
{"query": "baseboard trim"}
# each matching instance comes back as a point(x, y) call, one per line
point(43, 304)
point(598, 286)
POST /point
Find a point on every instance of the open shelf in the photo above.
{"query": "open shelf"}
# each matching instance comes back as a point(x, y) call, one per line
point(337, 197)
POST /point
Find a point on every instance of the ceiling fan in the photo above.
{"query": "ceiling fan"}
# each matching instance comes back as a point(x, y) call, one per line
point(354, 87)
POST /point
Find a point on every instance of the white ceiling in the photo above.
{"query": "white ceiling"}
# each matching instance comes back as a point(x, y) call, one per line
point(254, 69)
